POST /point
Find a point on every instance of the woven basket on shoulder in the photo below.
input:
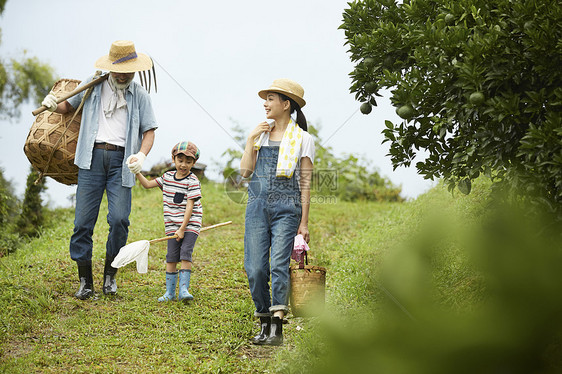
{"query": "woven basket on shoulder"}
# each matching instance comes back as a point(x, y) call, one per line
point(308, 290)
point(51, 143)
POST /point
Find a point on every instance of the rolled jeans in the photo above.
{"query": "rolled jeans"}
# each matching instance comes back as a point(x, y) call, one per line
point(273, 215)
point(105, 174)
point(270, 233)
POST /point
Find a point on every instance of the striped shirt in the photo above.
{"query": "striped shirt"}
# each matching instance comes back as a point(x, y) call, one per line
point(176, 192)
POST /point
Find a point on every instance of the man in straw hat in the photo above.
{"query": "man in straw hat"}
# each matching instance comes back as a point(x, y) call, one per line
point(117, 125)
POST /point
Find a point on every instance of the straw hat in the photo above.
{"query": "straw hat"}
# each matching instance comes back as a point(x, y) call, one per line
point(288, 88)
point(123, 58)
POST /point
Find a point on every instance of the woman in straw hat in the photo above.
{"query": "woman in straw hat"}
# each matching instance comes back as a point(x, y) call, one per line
point(117, 126)
point(279, 155)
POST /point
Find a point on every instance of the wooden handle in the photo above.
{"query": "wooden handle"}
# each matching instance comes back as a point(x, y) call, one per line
point(42, 108)
point(162, 239)
point(202, 229)
point(217, 225)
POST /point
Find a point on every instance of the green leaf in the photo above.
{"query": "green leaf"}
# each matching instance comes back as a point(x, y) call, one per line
point(464, 186)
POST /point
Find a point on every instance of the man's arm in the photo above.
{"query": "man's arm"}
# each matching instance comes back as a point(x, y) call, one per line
point(64, 107)
point(147, 141)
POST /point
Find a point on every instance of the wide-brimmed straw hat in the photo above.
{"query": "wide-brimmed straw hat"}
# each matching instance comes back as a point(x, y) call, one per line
point(288, 88)
point(123, 58)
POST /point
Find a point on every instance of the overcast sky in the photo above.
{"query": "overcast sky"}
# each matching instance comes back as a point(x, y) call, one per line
point(211, 57)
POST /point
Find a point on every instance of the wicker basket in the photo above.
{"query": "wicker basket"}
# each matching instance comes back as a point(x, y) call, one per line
point(51, 143)
point(308, 290)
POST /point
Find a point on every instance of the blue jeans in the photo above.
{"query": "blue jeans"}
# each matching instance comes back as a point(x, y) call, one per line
point(104, 175)
point(273, 216)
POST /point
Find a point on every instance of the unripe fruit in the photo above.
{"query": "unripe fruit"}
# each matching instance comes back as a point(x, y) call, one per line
point(369, 61)
point(449, 19)
point(366, 108)
point(405, 111)
point(371, 87)
point(476, 98)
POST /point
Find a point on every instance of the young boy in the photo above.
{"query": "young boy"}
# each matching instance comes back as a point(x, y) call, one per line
point(183, 214)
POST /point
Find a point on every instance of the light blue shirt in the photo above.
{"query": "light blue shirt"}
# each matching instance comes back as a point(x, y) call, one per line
point(140, 118)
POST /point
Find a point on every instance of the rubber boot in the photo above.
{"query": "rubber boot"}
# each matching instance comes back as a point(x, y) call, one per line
point(171, 281)
point(109, 283)
point(86, 289)
point(260, 339)
point(275, 332)
point(183, 294)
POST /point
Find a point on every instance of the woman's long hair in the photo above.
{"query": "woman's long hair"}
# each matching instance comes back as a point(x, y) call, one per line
point(301, 119)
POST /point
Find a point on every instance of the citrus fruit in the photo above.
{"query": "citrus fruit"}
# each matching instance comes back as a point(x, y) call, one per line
point(366, 108)
point(369, 61)
point(371, 87)
point(405, 111)
point(476, 98)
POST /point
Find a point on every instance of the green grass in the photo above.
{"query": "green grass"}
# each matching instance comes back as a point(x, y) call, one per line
point(388, 265)
point(45, 329)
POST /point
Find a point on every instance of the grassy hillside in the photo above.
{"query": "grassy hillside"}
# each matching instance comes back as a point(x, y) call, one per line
point(406, 289)
point(44, 329)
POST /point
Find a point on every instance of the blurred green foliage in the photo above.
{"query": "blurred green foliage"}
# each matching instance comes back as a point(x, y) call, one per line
point(481, 81)
point(462, 285)
point(31, 218)
point(23, 79)
point(9, 208)
point(348, 177)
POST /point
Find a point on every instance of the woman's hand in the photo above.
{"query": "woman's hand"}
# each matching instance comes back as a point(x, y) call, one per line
point(303, 230)
point(261, 128)
point(248, 160)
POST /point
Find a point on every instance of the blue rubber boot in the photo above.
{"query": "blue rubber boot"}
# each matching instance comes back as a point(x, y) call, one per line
point(184, 294)
point(171, 281)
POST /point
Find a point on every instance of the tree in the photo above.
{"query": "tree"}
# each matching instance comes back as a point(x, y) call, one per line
point(349, 178)
point(21, 80)
point(8, 201)
point(31, 217)
point(478, 84)
point(26, 79)
point(9, 208)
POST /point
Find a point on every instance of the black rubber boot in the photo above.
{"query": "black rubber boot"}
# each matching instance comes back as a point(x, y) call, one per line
point(265, 323)
point(275, 332)
point(86, 289)
point(109, 283)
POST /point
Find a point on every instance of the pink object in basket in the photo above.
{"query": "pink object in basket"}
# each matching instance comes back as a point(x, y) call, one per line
point(299, 249)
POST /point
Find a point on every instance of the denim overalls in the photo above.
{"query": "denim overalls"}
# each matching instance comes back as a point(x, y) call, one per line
point(273, 216)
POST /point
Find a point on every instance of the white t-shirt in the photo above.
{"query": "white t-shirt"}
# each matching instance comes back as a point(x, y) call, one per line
point(112, 130)
point(307, 146)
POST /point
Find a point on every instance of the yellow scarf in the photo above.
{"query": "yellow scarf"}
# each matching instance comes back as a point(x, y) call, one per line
point(289, 149)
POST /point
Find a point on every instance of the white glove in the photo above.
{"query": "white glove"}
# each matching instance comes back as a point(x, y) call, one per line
point(50, 102)
point(136, 166)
